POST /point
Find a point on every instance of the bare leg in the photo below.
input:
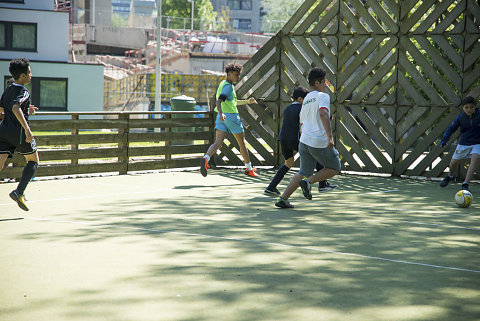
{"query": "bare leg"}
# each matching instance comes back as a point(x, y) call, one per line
point(471, 168)
point(242, 143)
point(219, 138)
point(292, 186)
point(322, 175)
point(453, 166)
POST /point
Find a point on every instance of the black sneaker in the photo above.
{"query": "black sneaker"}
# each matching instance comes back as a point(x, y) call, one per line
point(325, 187)
point(20, 199)
point(306, 188)
point(274, 191)
point(283, 203)
point(465, 187)
point(445, 181)
point(204, 166)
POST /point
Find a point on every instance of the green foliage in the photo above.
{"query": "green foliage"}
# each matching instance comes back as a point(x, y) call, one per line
point(206, 13)
point(119, 20)
point(278, 13)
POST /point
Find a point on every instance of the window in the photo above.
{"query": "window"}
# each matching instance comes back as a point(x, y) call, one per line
point(239, 4)
point(18, 36)
point(242, 24)
point(48, 94)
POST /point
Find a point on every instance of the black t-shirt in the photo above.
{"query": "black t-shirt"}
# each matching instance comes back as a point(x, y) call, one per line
point(291, 122)
point(14, 94)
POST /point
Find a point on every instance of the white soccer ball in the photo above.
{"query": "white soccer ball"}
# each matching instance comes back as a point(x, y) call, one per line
point(463, 198)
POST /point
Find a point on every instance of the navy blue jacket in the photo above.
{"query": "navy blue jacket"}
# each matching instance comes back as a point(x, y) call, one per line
point(291, 122)
point(469, 129)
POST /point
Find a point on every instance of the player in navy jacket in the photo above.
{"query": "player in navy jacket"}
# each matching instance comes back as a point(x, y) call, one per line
point(469, 145)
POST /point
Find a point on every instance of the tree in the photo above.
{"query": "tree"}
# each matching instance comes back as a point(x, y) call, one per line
point(206, 14)
point(278, 13)
point(203, 11)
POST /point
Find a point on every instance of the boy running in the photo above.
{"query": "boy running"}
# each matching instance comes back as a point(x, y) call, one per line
point(15, 133)
point(289, 136)
point(228, 120)
point(469, 144)
point(316, 141)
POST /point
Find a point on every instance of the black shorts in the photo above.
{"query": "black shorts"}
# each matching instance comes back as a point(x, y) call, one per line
point(14, 141)
point(289, 148)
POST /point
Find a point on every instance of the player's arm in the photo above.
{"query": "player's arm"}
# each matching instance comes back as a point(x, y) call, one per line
point(250, 100)
point(17, 111)
point(325, 119)
point(219, 107)
point(450, 130)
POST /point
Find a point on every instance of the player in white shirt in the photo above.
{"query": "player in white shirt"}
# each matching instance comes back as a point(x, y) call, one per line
point(316, 141)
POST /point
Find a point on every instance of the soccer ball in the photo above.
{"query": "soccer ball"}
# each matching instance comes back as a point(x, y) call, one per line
point(463, 198)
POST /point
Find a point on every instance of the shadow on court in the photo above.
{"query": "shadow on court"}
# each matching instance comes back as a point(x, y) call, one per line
point(177, 246)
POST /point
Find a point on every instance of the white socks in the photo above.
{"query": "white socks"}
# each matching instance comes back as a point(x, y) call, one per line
point(207, 158)
point(249, 166)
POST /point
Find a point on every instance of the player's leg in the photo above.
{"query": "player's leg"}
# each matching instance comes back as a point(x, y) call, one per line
point(307, 165)
point(219, 138)
point(242, 144)
point(29, 151)
point(461, 153)
point(289, 149)
point(474, 162)
point(28, 171)
point(329, 159)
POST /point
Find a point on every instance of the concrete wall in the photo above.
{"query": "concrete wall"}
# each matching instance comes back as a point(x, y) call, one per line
point(118, 37)
point(85, 82)
point(52, 34)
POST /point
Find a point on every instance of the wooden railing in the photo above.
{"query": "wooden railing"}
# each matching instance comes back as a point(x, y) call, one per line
point(98, 142)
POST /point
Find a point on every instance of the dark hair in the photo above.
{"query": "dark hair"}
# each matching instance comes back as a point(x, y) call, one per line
point(299, 92)
point(316, 74)
point(18, 66)
point(469, 100)
point(233, 67)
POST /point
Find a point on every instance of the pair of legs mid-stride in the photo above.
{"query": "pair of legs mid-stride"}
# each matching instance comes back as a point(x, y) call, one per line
point(219, 138)
point(461, 154)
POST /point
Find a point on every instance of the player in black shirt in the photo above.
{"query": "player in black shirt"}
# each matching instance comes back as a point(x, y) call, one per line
point(289, 139)
point(15, 133)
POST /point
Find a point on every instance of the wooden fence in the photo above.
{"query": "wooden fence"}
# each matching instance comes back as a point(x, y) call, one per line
point(117, 142)
point(397, 69)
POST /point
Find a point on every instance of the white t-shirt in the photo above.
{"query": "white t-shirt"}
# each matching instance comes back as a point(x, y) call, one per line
point(313, 133)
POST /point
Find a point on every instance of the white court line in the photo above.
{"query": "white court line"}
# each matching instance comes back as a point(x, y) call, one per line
point(441, 225)
point(379, 192)
point(309, 248)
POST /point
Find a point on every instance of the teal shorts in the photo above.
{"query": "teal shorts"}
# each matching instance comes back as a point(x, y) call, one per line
point(232, 124)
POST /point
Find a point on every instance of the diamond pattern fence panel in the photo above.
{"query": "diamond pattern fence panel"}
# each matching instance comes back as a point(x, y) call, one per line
point(396, 72)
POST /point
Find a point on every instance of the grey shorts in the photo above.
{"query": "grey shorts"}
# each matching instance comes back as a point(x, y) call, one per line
point(309, 156)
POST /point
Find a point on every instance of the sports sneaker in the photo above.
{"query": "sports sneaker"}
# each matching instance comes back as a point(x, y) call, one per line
point(326, 186)
point(283, 203)
point(20, 199)
point(306, 188)
point(204, 166)
point(445, 181)
point(272, 191)
point(252, 172)
point(465, 187)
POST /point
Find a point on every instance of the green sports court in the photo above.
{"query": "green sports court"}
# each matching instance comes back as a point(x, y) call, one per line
point(174, 245)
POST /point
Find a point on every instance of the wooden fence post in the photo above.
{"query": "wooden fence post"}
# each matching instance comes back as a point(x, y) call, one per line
point(123, 144)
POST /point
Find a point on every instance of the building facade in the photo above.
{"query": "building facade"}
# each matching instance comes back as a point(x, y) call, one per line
point(245, 15)
point(34, 30)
